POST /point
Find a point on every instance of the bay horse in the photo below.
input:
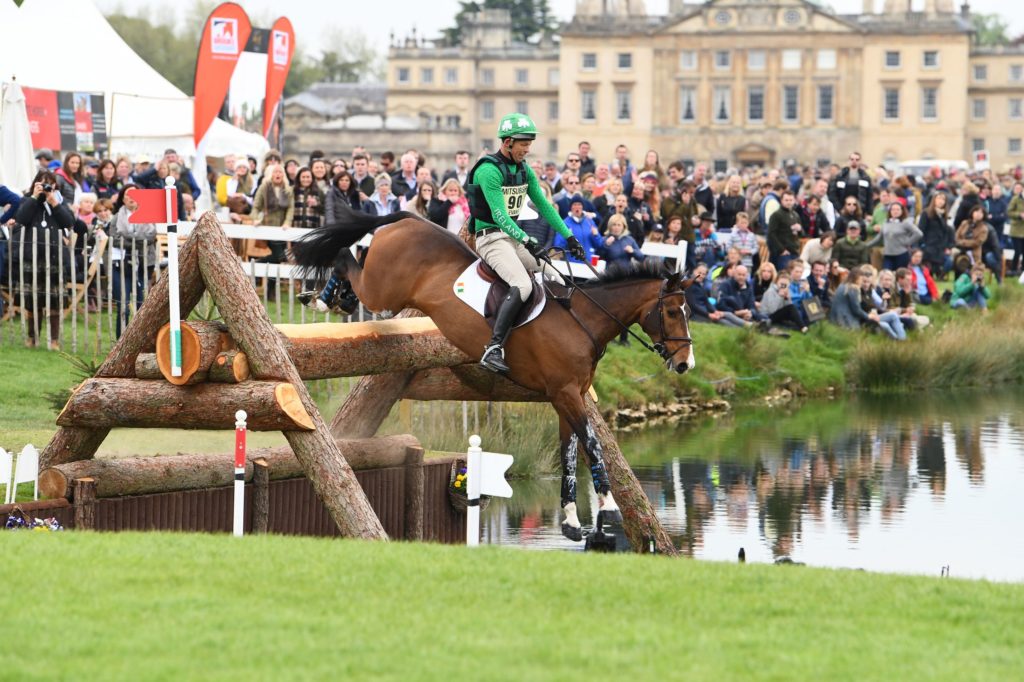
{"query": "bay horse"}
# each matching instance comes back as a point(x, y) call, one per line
point(413, 263)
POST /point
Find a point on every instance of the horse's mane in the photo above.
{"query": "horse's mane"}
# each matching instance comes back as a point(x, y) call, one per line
point(634, 271)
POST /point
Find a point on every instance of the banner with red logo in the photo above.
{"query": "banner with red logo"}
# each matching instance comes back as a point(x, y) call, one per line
point(282, 47)
point(224, 37)
point(69, 121)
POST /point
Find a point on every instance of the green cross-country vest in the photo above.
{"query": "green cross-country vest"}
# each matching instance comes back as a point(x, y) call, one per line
point(513, 186)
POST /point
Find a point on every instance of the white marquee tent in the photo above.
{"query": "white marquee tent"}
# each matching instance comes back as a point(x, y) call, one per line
point(145, 112)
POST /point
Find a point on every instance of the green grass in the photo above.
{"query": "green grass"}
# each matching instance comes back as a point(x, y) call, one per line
point(171, 607)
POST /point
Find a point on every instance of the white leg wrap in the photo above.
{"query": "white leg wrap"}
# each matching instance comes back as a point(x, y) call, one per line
point(607, 503)
point(571, 518)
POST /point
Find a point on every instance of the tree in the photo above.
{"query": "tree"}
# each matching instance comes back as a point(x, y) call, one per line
point(990, 30)
point(530, 18)
point(172, 55)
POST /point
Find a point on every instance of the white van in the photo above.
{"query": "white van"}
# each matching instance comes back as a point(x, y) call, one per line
point(919, 167)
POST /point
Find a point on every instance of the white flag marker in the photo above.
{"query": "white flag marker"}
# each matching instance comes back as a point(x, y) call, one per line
point(485, 475)
point(239, 519)
point(172, 277)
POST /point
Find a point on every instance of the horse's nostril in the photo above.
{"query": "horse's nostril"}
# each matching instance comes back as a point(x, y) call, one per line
point(681, 368)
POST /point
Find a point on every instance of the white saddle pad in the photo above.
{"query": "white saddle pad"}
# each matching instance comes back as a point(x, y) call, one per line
point(472, 290)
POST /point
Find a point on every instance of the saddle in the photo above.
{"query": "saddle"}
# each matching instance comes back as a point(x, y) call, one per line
point(479, 287)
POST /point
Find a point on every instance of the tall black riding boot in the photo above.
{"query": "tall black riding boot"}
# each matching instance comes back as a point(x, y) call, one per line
point(494, 352)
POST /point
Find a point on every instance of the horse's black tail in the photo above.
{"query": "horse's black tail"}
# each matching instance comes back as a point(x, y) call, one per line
point(317, 253)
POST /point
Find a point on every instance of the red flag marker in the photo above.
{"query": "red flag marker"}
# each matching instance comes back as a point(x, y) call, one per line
point(153, 206)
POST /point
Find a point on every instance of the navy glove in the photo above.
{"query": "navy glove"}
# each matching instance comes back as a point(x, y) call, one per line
point(534, 247)
point(576, 249)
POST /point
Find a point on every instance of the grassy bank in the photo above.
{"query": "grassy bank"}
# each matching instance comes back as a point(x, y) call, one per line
point(174, 606)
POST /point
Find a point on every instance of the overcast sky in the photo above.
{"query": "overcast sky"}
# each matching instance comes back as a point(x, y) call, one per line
point(378, 18)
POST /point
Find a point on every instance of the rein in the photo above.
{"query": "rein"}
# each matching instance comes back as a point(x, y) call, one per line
point(658, 348)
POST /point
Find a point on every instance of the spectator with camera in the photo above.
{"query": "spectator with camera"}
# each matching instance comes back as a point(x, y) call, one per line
point(969, 290)
point(39, 253)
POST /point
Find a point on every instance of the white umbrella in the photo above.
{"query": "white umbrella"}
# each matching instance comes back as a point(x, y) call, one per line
point(17, 167)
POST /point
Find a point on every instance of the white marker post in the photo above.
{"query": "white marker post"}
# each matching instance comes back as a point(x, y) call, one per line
point(239, 472)
point(172, 276)
point(485, 475)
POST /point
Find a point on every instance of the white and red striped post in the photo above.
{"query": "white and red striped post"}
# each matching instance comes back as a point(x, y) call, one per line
point(239, 472)
point(172, 276)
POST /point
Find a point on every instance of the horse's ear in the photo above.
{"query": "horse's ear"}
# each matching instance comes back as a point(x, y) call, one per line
point(672, 282)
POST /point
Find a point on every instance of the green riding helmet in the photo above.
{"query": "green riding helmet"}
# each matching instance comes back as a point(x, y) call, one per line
point(517, 127)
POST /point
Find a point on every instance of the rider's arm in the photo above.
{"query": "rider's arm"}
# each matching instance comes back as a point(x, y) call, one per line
point(488, 177)
point(544, 206)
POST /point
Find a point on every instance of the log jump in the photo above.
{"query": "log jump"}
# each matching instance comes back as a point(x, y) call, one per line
point(246, 362)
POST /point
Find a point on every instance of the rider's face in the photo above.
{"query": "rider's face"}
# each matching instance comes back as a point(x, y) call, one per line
point(518, 149)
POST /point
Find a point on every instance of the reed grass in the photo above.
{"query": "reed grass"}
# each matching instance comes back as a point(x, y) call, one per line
point(972, 348)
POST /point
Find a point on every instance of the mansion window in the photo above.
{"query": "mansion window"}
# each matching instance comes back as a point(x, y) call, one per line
point(687, 104)
point(1014, 146)
point(623, 105)
point(552, 109)
point(402, 74)
point(1016, 109)
point(826, 103)
point(978, 109)
point(625, 60)
point(756, 60)
point(487, 76)
point(522, 76)
point(791, 60)
point(980, 72)
point(892, 59)
point(790, 103)
point(755, 104)
point(589, 61)
point(930, 59)
point(891, 104)
point(553, 78)
point(522, 107)
point(826, 60)
point(723, 59)
point(487, 110)
point(451, 76)
point(929, 103)
point(721, 103)
point(588, 105)
point(978, 144)
point(688, 60)
point(427, 75)
point(1017, 73)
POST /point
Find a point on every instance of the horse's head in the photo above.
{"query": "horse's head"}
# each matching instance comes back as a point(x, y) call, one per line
point(667, 322)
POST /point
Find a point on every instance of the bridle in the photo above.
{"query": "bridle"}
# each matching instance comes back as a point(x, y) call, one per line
point(659, 347)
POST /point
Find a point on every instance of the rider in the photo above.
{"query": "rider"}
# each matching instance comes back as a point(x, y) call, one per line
point(497, 186)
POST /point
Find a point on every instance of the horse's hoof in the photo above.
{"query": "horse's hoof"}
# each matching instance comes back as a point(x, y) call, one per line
point(609, 516)
point(574, 533)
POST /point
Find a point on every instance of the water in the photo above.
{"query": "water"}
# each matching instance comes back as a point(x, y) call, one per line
point(908, 484)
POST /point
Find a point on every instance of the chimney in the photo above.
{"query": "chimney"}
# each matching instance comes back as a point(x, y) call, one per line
point(965, 10)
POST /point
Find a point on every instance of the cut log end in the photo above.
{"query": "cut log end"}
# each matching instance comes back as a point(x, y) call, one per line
point(291, 404)
point(190, 345)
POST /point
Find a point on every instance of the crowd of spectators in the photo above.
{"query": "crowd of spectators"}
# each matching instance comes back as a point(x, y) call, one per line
point(777, 247)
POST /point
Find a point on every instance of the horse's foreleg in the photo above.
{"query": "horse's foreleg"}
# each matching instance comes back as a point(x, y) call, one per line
point(573, 418)
point(569, 443)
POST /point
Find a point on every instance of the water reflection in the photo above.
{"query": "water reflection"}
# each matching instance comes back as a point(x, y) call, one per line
point(890, 483)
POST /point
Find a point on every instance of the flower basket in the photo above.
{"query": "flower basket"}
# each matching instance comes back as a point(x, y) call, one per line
point(457, 493)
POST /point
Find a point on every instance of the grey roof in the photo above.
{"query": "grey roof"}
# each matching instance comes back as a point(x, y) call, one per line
point(342, 99)
point(910, 23)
